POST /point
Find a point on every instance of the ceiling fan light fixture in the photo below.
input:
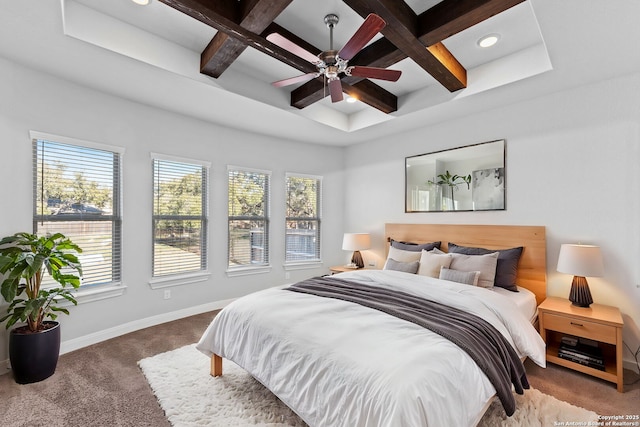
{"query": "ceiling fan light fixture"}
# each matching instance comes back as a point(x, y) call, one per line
point(141, 2)
point(488, 40)
point(331, 72)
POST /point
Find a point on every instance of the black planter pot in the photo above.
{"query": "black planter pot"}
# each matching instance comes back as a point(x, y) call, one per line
point(34, 355)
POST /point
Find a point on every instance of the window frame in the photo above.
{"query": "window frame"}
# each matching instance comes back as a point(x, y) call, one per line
point(182, 277)
point(86, 292)
point(246, 269)
point(312, 263)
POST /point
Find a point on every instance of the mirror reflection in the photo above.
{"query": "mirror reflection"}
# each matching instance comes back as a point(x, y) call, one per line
point(470, 178)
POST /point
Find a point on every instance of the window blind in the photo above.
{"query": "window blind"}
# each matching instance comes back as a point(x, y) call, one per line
point(303, 219)
point(179, 217)
point(76, 192)
point(248, 217)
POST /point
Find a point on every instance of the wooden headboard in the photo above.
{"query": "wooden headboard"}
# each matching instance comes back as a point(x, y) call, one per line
point(532, 268)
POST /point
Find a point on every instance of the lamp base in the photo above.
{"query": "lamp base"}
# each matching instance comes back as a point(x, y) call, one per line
point(357, 260)
point(580, 295)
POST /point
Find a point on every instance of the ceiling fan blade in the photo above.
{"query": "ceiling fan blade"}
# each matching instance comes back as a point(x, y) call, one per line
point(375, 73)
point(335, 89)
point(287, 44)
point(371, 26)
point(294, 80)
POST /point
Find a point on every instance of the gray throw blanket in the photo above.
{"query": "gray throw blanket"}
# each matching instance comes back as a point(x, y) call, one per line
point(486, 346)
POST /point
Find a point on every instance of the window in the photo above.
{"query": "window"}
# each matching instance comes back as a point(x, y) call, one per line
point(304, 198)
point(77, 193)
point(248, 218)
point(179, 216)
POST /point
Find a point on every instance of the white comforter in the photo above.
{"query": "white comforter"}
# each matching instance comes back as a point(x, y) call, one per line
point(336, 363)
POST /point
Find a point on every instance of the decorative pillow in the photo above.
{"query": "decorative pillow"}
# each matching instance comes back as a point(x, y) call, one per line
point(403, 256)
point(414, 247)
point(466, 277)
point(430, 263)
point(407, 267)
point(485, 264)
point(507, 267)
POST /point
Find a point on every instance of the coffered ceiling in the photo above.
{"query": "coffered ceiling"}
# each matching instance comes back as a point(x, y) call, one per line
point(154, 54)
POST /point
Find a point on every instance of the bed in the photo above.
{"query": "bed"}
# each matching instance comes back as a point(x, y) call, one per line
point(337, 363)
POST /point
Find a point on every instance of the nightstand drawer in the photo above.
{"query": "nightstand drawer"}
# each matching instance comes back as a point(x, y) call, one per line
point(581, 328)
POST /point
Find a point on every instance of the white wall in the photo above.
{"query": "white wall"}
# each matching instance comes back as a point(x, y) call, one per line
point(35, 101)
point(572, 162)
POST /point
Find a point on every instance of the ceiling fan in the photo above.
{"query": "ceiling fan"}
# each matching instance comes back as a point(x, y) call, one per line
point(331, 63)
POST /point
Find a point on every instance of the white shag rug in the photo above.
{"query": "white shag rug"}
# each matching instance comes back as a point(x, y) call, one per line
point(190, 396)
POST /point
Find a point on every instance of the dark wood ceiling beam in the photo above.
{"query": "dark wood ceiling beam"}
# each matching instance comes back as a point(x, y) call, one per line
point(370, 93)
point(222, 50)
point(402, 31)
point(450, 17)
point(201, 11)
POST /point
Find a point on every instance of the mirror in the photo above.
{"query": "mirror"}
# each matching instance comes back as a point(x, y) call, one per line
point(470, 178)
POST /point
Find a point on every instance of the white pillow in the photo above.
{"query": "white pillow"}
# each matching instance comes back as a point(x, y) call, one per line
point(466, 277)
point(485, 264)
point(431, 262)
point(401, 256)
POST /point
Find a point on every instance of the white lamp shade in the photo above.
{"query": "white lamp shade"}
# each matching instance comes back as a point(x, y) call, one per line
point(580, 260)
point(356, 241)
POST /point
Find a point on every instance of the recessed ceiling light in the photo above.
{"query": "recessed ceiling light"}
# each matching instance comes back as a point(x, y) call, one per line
point(489, 40)
point(141, 2)
point(350, 99)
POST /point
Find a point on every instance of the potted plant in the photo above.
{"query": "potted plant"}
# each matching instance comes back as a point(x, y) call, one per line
point(452, 181)
point(35, 346)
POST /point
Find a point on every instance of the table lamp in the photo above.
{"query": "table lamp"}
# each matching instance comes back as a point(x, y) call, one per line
point(356, 242)
point(581, 261)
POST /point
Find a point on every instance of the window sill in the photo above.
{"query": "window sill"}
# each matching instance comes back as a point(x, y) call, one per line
point(245, 271)
point(95, 293)
point(178, 279)
point(304, 265)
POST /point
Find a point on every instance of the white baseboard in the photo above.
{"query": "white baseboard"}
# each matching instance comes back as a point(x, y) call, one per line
point(630, 365)
point(116, 331)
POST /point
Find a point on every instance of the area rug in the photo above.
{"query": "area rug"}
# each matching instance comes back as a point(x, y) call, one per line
point(189, 396)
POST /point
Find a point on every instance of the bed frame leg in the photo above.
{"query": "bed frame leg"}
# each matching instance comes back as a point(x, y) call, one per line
point(216, 365)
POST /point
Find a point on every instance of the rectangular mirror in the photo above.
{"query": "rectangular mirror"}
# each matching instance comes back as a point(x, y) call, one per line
point(470, 178)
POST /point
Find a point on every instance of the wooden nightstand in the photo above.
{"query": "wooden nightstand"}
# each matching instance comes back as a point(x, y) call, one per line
point(600, 323)
point(341, 269)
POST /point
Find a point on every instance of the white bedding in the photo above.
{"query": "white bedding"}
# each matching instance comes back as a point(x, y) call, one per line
point(337, 363)
point(525, 300)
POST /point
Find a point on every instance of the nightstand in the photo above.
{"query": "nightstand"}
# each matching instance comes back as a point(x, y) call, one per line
point(599, 323)
point(341, 269)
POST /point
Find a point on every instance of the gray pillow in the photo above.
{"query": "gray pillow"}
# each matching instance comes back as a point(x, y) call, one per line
point(466, 277)
point(507, 267)
point(407, 267)
point(414, 247)
point(486, 264)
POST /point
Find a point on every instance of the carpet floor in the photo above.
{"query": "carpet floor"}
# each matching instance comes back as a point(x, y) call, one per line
point(191, 397)
point(102, 385)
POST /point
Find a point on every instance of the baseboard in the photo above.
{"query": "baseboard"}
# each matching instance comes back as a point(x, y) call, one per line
point(136, 325)
point(97, 337)
point(630, 365)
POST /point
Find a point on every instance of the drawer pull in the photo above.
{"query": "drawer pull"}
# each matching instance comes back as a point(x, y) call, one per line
point(576, 324)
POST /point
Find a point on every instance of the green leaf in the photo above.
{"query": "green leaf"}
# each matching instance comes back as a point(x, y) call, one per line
point(10, 289)
point(60, 309)
point(69, 298)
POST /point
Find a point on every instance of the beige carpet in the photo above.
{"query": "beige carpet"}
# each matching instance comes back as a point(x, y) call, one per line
point(191, 397)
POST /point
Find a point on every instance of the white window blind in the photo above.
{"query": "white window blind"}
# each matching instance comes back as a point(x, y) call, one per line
point(304, 200)
point(76, 192)
point(248, 217)
point(179, 217)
